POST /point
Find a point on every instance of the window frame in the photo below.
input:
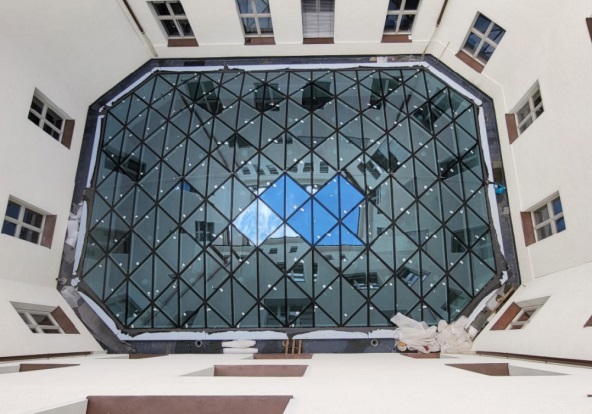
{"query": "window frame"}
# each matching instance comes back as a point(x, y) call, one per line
point(401, 12)
point(65, 132)
point(529, 105)
point(484, 39)
point(27, 315)
point(551, 220)
point(172, 17)
point(20, 224)
point(256, 16)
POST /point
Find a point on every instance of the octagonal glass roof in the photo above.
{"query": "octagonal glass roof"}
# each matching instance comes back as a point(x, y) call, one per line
point(288, 198)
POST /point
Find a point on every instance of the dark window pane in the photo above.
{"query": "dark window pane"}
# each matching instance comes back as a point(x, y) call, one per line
point(544, 232)
point(411, 5)
point(556, 206)
point(482, 23)
point(496, 33)
point(161, 9)
point(32, 218)
point(54, 119)
point(390, 23)
point(326, 5)
point(13, 209)
point(486, 51)
point(472, 42)
point(560, 225)
point(186, 27)
point(539, 111)
point(394, 4)
point(177, 9)
point(29, 235)
point(37, 105)
point(9, 228)
point(33, 118)
point(170, 27)
point(407, 22)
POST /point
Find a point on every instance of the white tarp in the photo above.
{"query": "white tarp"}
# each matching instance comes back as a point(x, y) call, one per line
point(418, 336)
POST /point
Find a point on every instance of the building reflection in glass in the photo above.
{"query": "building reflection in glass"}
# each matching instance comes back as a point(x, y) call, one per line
point(288, 199)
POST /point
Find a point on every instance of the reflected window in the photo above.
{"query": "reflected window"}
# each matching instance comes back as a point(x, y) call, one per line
point(205, 231)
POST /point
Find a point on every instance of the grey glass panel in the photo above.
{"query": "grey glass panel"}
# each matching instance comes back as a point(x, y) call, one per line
point(482, 23)
point(299, 227)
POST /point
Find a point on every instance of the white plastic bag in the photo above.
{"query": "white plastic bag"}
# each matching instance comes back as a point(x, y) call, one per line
point(454, 338)
point(414, 336)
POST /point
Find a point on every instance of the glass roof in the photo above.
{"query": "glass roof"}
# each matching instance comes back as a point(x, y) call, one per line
point(323, 198)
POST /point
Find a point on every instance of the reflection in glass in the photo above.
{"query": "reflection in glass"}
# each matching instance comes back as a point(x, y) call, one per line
point(288, 199)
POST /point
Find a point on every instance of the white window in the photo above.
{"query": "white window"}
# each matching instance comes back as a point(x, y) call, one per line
point(527, 310)
point(44, 115)
point(317, 18)
point(530, 110)
point(23, 222)
point(173, 19)
point(483, 39)
point(400, 16)
point(548, 219)
point(39, 320)
point(256, 17)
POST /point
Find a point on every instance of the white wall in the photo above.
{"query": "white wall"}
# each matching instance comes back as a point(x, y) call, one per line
point(72, 52)
point(556, 330)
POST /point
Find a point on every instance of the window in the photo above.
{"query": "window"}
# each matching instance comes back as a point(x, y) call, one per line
point(293, 249)
point(28, 224)
point(256, 20)
point(317, 21)
point(174, 22)
point(483, 39)
point(45, 319)
point(273, 250)
point(400, 16)
point(50, 119)
point(548, 219)
point(204, 231)
point(519, 314)
point(530, 110)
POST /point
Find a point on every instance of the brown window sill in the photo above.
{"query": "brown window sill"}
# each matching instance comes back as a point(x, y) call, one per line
point(318, 40)
point(182, 42)
point(260, 41)
point(470, 61)
point(396, 38)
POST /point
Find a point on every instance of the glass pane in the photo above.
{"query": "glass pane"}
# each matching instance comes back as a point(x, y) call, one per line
point(12, 210)
point(245, 6)
point(541, 215)
point(186, 28)
point(472, 42)
point(525, 124)
point(33, 218)
point(496, 33)
point(262, 6)
point(394, 4)
point(523, 112)
point(266, 26)
point(390, 23)
point(161, 9)
point(29, 235)
point(9, 228)
point(556, 206)
point(37, 105)
point(544, 232)
point(482, 23)
point(177, 8)
point(249, 25)
point(33, 118)
point(53, 118)
point(560, 225)
point(170, 27)
point(407, 22)
point(411, 5)
point(486, 52)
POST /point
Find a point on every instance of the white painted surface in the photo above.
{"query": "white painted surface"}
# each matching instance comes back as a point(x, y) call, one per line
point(333, 383)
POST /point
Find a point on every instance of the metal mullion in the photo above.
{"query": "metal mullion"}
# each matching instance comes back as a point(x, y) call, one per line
point(231, 212)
